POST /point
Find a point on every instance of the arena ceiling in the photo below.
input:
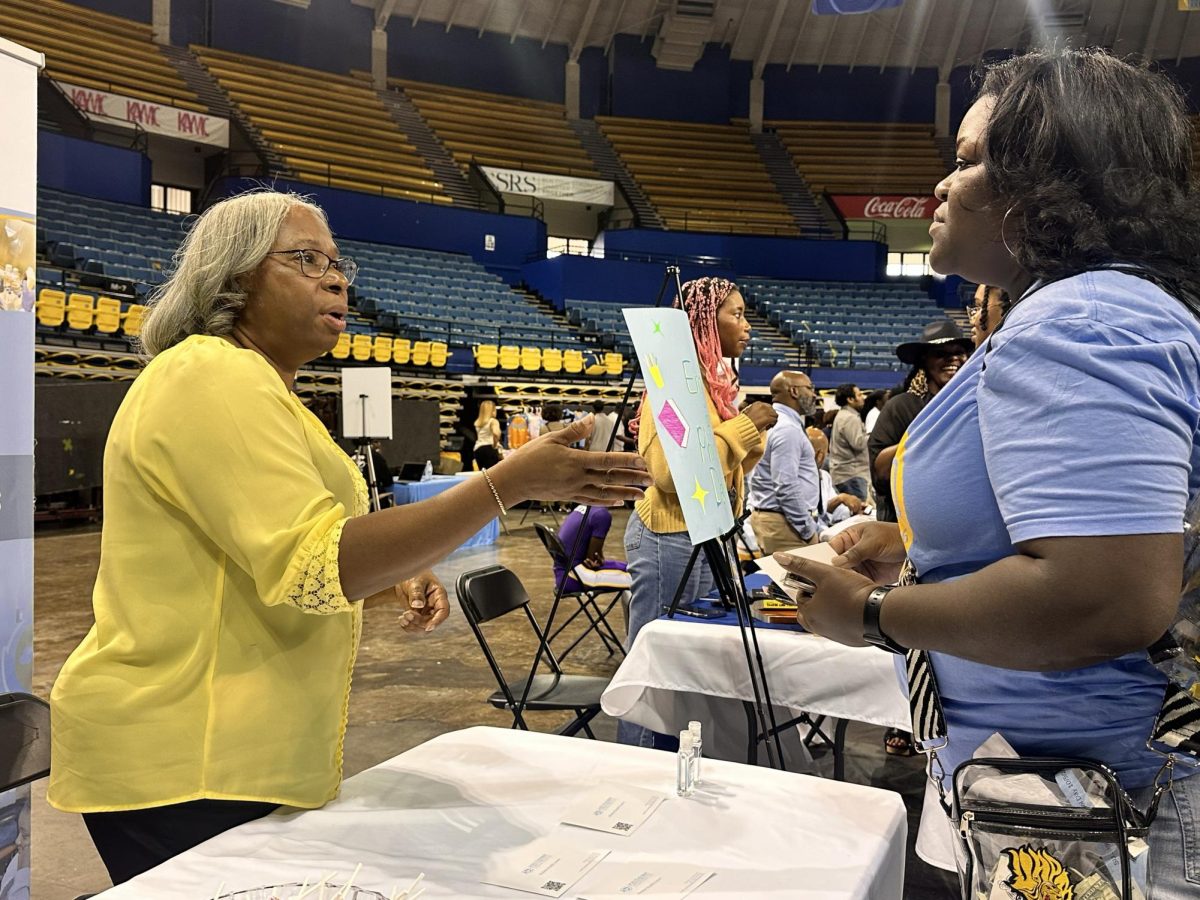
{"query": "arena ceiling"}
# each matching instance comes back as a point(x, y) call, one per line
point(918, 33)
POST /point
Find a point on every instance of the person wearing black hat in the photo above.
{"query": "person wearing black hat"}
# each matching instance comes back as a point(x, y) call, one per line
point(934, 358)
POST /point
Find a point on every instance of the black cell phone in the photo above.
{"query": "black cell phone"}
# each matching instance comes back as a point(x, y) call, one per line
point(697, 612)
point(801, 583)
point(760, 593)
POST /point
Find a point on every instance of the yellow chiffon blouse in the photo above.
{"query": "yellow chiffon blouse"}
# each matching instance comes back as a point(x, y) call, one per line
point(219, 664)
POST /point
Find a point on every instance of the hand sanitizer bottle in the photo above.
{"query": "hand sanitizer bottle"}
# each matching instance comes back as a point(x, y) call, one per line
point(685, 765)
point(697, 750)
point(428, 473)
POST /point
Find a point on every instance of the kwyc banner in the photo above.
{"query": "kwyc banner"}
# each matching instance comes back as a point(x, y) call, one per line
point(551, 187)
point(156, 118)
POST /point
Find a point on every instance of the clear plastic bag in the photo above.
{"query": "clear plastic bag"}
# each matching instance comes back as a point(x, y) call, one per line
point(1080, 837)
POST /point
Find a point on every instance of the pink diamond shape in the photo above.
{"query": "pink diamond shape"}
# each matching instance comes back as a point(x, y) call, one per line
point(671, 422)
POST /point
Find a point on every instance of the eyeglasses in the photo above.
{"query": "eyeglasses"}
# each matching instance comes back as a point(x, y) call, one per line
point(314, 263)
point(973, 311)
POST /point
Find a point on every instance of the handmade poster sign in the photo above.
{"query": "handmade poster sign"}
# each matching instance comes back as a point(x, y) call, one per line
point(675, 391)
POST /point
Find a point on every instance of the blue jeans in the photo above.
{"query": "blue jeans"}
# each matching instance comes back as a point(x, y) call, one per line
point(1174, 841)
point(656, 564)
point(856, 486)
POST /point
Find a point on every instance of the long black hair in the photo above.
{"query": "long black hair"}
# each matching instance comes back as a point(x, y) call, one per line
point(1091, 157)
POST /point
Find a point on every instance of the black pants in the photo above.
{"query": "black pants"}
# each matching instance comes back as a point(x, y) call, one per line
point(487, 456)
point(134, 841)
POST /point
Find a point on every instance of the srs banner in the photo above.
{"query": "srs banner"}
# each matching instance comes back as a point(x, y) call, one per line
point(551, 187)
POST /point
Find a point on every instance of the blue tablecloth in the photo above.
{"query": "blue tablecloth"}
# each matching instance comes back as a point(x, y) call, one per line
point(712, 601)
point(414, 491)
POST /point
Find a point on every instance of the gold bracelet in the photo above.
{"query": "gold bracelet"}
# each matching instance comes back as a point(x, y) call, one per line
point(495, 493)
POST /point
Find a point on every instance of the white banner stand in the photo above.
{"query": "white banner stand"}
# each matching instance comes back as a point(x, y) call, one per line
point(367, 414)
point(18, 241)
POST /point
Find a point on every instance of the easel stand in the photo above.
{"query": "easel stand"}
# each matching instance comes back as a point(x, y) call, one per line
point(721, 555)
point(671, 274)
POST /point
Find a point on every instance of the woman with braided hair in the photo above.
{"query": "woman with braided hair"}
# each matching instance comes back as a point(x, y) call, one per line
point(656, 540)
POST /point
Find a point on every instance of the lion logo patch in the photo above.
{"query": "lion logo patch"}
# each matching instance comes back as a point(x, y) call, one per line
point(1037, 875)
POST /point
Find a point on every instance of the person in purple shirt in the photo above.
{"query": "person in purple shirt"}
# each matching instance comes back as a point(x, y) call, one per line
point(1041, 495)
point(590, 549)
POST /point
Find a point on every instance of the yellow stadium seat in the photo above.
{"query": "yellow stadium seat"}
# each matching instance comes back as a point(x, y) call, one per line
point(382, 349)
point(81, 311)
point(487, 356)
point(573, 361)
point(510, 358)
point(420, 353)
point(402, 351)
point(132, 325)
point(439, 352)
point(51, 308)
point(341, 350)
point(531, 359)
point(614, 363)
point(361, 347)
point(552, 360)
point(108, 315)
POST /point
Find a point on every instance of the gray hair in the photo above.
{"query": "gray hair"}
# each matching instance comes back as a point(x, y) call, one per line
point(205, 293)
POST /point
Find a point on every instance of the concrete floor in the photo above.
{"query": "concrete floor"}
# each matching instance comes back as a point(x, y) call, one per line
point(407, 689)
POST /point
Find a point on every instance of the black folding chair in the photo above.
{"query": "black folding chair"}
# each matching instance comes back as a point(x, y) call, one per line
point(489, 593)
point(24, 740)
point(587, 598)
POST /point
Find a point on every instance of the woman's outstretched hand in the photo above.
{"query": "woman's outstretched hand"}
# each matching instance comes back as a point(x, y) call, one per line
point(548, 468)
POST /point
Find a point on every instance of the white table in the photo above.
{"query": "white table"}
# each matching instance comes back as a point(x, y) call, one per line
point(448, 805)
point(679, 670)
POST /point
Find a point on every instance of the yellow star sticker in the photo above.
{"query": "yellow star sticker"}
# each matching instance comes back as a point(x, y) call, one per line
point(699, 495)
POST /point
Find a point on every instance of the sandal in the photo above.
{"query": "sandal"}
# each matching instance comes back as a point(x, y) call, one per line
point(898, 743)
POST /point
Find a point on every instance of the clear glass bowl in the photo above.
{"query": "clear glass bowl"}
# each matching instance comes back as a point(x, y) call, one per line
point(289, 891)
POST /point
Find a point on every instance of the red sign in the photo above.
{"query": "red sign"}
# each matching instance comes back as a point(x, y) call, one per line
point(885, 206)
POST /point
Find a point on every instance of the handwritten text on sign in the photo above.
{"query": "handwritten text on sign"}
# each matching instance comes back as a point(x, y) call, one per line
point(156, 118)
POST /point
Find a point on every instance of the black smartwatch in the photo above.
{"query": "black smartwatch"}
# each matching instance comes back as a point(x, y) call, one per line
point(872, 633)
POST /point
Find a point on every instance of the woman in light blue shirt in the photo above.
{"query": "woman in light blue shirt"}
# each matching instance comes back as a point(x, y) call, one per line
point(1041, 495)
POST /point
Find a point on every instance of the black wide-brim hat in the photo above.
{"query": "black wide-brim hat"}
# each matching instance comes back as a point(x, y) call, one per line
point(935, 334)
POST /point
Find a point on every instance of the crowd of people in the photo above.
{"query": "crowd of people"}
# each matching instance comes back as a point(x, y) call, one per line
point(1030, 561)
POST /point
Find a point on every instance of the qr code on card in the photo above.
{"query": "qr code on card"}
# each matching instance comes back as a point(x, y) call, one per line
point(554, 886)
point(622, 826)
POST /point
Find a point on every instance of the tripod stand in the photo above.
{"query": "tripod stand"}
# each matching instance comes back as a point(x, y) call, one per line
point(364, 446)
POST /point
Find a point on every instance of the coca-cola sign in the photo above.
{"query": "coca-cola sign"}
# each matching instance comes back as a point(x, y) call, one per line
point(885, 206)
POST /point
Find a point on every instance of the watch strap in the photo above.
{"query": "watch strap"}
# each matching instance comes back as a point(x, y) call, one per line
point(872, 632)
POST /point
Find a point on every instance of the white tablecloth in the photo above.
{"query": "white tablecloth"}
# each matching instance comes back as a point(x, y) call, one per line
point(679, 670)
point(448, 805)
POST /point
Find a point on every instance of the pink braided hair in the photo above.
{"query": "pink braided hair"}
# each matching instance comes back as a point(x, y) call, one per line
point(702, 297)
point(701, 300)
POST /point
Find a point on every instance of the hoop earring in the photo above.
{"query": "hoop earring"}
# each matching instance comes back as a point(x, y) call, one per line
point(1003, 238)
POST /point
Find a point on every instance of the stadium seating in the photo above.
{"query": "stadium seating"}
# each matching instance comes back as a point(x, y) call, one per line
point(864, 157)
point(700, 177)
point(96, 50)
point(498, 130)
point(852, 324)
point(304, 115)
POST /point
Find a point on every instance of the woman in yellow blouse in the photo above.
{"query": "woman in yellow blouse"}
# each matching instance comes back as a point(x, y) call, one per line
point(237, 550)
point(656, 540)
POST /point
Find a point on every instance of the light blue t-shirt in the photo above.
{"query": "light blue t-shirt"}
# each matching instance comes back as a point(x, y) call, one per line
point(1082, 420)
